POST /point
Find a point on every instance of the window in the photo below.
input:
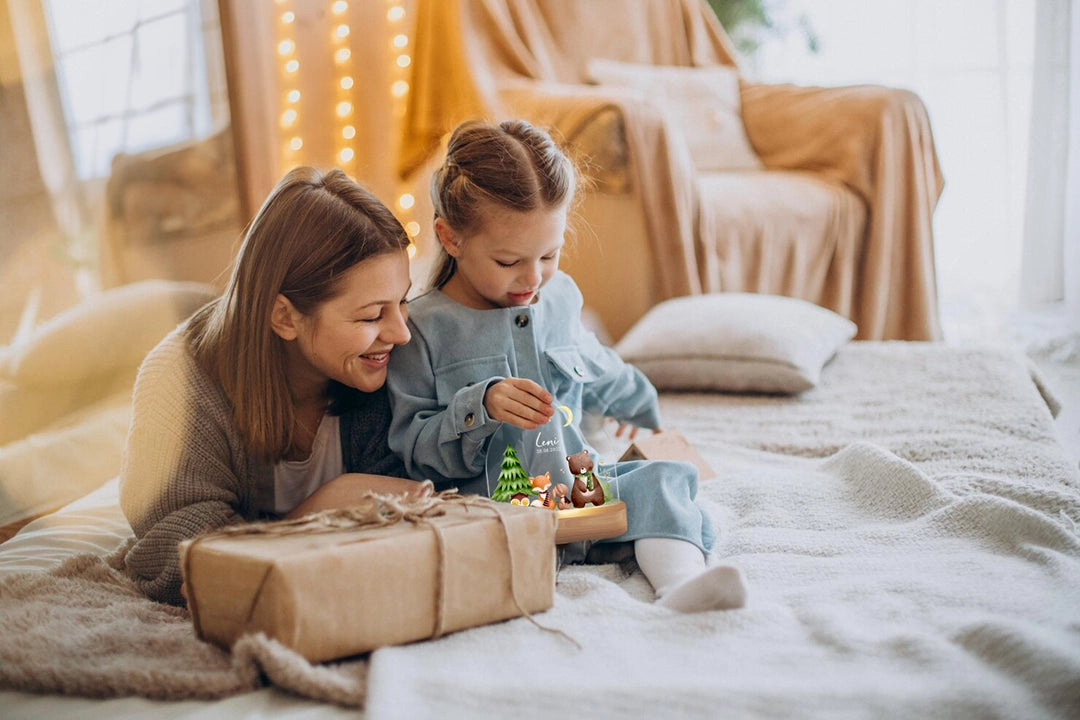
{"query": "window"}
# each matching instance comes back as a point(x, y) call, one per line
point(132, 75)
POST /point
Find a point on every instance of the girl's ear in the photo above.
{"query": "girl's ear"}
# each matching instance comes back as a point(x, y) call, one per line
point(447, 237)
point(284, 318)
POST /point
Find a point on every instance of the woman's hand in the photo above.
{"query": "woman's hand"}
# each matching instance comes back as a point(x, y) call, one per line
point(346, 490)
point(520, 402)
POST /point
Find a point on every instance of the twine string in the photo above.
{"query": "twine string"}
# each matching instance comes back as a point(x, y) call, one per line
point(373, 510)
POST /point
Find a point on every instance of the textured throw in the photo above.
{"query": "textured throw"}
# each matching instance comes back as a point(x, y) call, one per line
point(85, 629)
point(874, 592)
point(907, 530)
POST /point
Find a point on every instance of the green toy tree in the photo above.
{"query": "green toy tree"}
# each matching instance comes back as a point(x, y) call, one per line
point(512, 478)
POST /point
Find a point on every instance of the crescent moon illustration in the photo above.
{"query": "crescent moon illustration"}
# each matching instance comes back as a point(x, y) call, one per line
point(569, 414)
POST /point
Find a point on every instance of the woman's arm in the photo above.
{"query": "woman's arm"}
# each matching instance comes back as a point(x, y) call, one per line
point(346, 490)
point(179, 476)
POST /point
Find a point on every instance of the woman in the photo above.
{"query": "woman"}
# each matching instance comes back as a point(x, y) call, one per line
point(269, 401)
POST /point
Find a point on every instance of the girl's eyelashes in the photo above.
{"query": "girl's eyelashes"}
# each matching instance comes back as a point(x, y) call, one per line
point(500, 263)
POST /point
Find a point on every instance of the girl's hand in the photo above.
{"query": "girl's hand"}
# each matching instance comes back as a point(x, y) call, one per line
point(520, 402)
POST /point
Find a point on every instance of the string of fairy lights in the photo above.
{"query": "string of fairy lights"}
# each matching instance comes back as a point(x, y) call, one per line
point(343, 112)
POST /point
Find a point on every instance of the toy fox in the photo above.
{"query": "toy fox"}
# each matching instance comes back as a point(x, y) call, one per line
point(542, 485)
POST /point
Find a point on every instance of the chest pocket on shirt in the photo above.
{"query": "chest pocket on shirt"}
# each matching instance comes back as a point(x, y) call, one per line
point(453, 377)
point(570, 369)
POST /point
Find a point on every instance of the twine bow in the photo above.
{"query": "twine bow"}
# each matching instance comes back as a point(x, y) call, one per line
point(372, 511)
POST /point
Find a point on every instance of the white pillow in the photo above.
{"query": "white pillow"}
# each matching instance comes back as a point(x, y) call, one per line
point(703, 102)
point(735, 342)
point(106, 333)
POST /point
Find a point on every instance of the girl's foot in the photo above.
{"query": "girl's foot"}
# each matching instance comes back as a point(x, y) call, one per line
point(717, 588)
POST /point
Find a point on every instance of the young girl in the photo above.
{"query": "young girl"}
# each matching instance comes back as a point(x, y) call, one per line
point(270, 401)
point(498, 345)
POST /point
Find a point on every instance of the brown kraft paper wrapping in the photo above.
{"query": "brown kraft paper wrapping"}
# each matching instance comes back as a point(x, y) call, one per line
point(669, 445)
point(331, 594)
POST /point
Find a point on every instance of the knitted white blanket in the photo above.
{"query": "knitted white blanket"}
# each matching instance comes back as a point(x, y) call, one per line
point(875, 592)
point(878, 588)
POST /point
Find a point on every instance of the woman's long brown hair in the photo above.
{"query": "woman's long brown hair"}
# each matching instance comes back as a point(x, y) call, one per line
point(313, 227)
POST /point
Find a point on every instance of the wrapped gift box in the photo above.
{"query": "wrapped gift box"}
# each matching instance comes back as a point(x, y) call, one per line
point(337, 593)
point(669, 445)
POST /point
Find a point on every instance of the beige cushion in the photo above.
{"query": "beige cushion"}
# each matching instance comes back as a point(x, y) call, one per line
point(106, 333)
point(702, 102)
point(736, 342)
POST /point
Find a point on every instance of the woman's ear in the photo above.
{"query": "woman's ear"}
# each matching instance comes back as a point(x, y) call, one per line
point(447, 237)
point(284, 318)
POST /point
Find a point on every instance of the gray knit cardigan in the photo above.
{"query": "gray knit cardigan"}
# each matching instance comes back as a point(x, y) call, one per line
point(186, 470)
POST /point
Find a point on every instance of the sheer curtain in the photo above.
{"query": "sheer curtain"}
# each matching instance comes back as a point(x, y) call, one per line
point(105, 77)
point(1050, 271)
point(995, 78)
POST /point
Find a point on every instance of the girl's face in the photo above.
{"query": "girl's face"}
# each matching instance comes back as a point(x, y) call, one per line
point(350, 336)
point(508, 260)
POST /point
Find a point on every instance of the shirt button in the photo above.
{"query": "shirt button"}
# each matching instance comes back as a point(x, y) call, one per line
point(521, 320)
point(470, 419)
point(578, 371)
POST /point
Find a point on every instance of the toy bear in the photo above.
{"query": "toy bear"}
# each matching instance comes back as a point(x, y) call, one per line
point(587, 488)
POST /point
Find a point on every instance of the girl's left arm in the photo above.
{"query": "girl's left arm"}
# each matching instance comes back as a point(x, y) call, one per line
point(619, 390)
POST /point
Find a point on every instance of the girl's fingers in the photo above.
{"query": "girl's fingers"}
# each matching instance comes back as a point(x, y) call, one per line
point(525, 415)
point(531, 388)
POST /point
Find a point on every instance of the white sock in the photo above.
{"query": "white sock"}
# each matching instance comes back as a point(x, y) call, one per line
point(677, 571)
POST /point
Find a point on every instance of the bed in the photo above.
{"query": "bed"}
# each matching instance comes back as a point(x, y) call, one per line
point(907, 528)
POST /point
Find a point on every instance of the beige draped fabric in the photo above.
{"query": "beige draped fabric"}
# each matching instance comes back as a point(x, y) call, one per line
point(526, 58)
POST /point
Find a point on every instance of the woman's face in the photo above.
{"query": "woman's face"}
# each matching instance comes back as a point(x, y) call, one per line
point(349, 337)
point(510, 257)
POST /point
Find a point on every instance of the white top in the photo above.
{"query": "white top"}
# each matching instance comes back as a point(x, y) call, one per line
point(295, 480)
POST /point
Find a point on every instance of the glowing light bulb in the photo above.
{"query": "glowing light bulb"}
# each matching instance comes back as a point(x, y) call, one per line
point(346, 82)
point(399, 88)
point(395, 13)
point(288, 118)
point(296, 143)
point(285, 47)
point(344, 108)
point(403, 61)
point(401, 41)
point(346, 155)
point(339, 7)
point(412, 228)
point(406, 201)
point(341, 54)
point(292, 66)
point(293, 96)
point(288, 17)
point(342, 31)
point(348, 132)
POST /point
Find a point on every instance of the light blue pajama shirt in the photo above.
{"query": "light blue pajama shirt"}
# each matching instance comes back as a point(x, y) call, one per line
point(441, 430)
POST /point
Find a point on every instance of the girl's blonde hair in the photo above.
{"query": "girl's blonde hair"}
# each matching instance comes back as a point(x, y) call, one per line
point(512, 164)
point(313, 227)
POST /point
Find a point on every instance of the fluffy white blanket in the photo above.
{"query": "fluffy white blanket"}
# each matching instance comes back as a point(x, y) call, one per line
point(875, 592)
point(908, 531)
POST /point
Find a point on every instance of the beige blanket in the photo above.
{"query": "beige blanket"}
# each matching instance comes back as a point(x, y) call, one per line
point(84, 629)
point(502, 58)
